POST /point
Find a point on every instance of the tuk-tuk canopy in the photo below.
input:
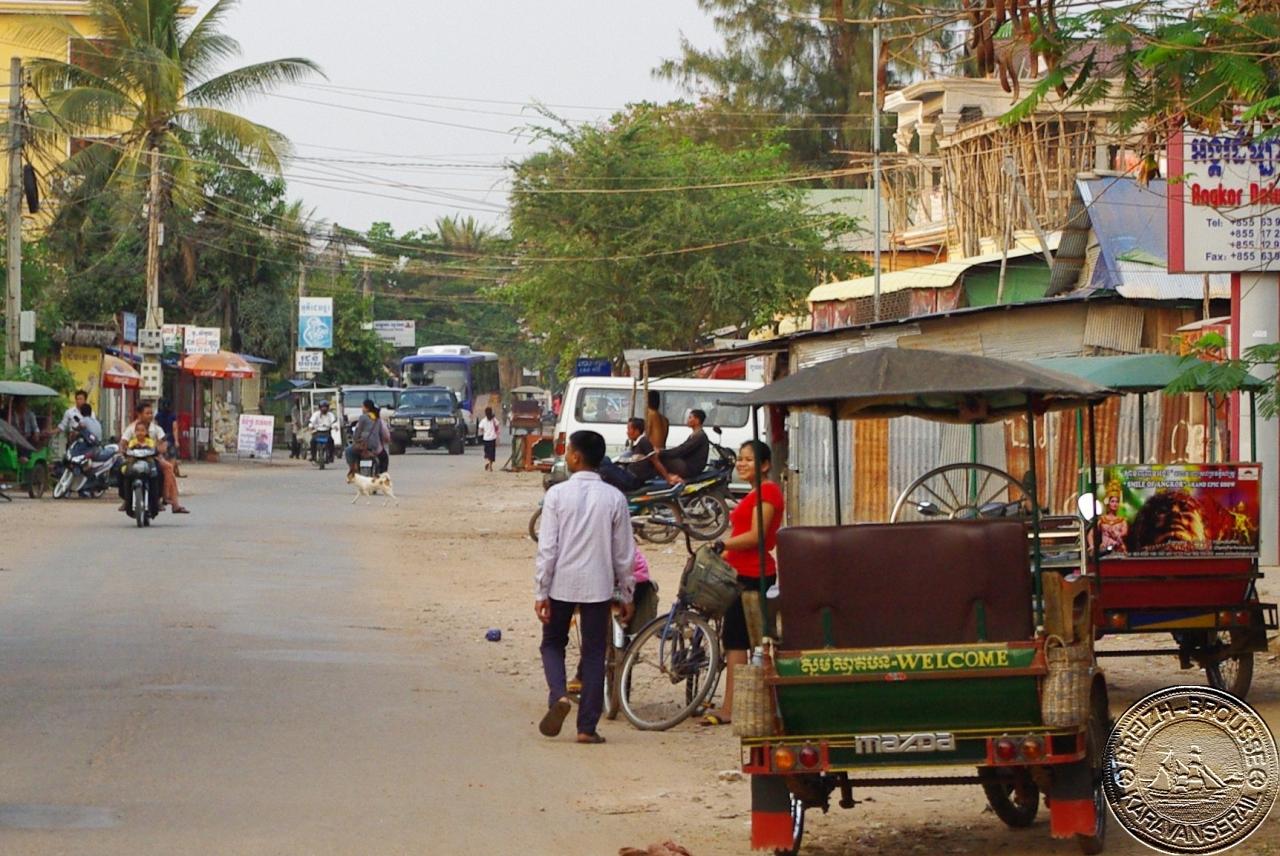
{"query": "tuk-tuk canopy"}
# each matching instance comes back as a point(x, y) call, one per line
point(26, 389)
point(934, 385)
point(11, 435)
point(1139, 372)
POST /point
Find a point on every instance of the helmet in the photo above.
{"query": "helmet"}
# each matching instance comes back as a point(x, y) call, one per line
point(324, 404)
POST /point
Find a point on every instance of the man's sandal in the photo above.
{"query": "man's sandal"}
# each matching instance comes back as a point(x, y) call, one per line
point(591, 739)
point(553, 721)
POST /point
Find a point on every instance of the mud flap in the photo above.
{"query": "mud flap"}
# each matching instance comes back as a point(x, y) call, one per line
point(771, 826)
point(1071, 807)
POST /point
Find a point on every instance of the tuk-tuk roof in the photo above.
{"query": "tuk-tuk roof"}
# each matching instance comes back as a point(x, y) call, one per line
point(1138, 372)
point(935, 385)
point(529, 390)
point(11, 435)
point(26, 389)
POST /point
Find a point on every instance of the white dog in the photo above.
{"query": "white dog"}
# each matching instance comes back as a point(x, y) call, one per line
point(366, 486)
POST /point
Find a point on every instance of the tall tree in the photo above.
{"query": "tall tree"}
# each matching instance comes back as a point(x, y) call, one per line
point(142, 90)
point(629, 235)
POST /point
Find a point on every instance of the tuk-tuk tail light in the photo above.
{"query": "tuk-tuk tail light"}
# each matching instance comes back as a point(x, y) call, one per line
point(560, 445)
point(784, 760)
point(1032, 749)
point(1242, 618)
point(1005, 749)
point(1117, 620)
point(809, 756)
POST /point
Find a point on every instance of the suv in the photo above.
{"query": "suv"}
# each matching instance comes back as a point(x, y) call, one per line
point(428, 416)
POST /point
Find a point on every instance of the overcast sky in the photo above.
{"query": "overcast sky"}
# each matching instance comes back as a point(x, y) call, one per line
point(431, 91)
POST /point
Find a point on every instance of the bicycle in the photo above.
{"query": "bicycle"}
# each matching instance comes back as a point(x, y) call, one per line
point(672, 667)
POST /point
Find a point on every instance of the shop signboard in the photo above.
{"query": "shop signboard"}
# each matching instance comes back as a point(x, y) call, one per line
point(399, 334)
point(85, 365)
point(201, 340)
point(308, 362)
point(593, 368)
point(1224, 202)
point(315, 322)
point(171, 338)
point(254, 437)
point(1186, 510)
point(129, 327)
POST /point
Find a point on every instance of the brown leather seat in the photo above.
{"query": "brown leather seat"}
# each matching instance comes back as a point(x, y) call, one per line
point(885, 584)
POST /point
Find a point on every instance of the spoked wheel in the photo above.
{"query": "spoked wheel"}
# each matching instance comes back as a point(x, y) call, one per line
point(1226, 671)
point(962, 492)
point(64, 484)
point(655, 529)
point(534, 521)
point(670, 669)
point(1012, 795)
point(706, 515)
point(1096, 742)
point(797, 829)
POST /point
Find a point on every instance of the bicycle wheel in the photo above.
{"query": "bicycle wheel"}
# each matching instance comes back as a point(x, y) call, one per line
point(613, 669)
point(669, 670)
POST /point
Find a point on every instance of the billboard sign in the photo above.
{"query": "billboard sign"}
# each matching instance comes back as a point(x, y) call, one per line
point(315, 322)
point(1224, 203)
point(593, 368)
point(400, 334)
point(129, 327)
point(254, 437)
point(308, 362)
point(1188, 510)
point(201, 340)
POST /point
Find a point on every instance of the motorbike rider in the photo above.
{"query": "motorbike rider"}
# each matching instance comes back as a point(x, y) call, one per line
point(366, 437)
point(143, 438)
point(322, 422)
point(689, 458)
point(71, 418)
point(145, 414)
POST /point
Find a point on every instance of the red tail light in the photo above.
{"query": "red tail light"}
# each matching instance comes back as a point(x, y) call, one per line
point(784, 760)
point(560, 445)
point(1006, 750)
point(809, 757)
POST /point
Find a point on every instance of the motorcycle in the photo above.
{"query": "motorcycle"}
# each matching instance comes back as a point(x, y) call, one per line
point(324, 449)
point(703, 502)
point(88, 468)
point(655, 513)
point(141, 468)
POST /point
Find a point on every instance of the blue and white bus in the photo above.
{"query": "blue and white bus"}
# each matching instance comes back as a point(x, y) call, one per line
point(472, 375)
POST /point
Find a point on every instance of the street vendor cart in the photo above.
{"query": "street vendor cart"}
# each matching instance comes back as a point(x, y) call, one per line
point(928, 643)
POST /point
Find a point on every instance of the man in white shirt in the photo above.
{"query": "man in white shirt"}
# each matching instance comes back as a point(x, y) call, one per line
point(71, 419)
point(322, 422)
point(586, 559)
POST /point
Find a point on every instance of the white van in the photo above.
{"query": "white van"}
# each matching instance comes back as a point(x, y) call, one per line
point(603, 405)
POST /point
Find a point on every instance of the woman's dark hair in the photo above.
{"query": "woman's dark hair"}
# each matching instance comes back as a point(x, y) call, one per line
point(759, 450)
point(590, 445)
point(369, 405)
point(488, 413)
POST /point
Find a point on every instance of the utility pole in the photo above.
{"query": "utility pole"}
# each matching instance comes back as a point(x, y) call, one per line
point(366, 286)
point(153, 238)
point(875, 155)
point(13, 211)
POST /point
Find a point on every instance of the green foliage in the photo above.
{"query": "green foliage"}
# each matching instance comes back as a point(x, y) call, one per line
point(56, 377)
point(631, 235)
point(1221, 376)
point(358, 355)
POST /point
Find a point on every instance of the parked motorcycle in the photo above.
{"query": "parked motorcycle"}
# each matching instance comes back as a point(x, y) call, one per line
point(703, 502)
point(88, 468)
point(655, 513)
point(141, 468)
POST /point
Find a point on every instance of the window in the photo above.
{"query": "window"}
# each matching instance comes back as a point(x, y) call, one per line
point(451, 375)
point(676, 404)
point(597, 406)
point(484, 377)
point(381, 397)
point(426, 399)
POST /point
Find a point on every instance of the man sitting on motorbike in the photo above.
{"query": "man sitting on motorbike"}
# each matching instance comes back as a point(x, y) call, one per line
point(141, 438)
point(635, 466)
point(322, 422)
point(71, 418)
point(688, 459)
point(145, 414)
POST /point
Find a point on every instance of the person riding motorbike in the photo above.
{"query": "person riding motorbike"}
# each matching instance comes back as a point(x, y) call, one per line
point(689, 458)
point(142, 438)
point(322, 422)
point(366, 438)
point(144, 413)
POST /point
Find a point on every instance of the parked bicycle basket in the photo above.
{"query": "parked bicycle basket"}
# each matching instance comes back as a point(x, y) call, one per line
point(709, 582)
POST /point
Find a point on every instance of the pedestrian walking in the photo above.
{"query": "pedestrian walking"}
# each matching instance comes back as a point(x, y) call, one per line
point(489, 434)
point(586, 560)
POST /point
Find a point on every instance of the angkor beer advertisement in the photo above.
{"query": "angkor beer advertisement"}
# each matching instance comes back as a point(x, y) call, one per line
point(1180, 510)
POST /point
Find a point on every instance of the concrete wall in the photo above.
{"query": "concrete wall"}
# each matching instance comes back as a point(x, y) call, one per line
point(1256, 321)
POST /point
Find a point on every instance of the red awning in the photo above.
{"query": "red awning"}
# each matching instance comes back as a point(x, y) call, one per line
point(118, 374)
point(224, 365)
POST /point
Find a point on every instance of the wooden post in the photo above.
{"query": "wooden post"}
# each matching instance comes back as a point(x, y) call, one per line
point(13, 207)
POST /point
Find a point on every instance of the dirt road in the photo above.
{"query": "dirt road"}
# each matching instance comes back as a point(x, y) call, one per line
point(284, 673)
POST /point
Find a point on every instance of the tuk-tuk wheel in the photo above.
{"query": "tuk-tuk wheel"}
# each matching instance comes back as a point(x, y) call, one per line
point(1012, 795)
point(1096, 742)
point(38, 480)
point(1234, 672)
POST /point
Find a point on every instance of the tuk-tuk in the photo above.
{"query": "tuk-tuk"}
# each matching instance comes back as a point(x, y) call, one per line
point(931, 643)
point(303, 402)
point(22, 463)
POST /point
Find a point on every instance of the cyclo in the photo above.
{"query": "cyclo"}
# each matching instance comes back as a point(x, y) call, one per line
point(932, 643)
point(30, 469)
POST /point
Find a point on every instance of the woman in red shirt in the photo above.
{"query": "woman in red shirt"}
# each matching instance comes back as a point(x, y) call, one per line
point(742, 550)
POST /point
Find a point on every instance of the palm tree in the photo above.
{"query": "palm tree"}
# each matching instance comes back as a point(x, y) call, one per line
point(143, 89)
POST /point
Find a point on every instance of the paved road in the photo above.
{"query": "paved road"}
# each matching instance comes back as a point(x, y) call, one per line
point(243, 680)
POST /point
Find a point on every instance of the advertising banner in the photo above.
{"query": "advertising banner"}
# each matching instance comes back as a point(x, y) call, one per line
point(401, 334)
point(254, 437)
point(1184, 510)
point(171, 338)
point(129, 327)
point(1224, 196)
point(85, 365)
point(201, 340)
point(305, 362)
point(315, 322)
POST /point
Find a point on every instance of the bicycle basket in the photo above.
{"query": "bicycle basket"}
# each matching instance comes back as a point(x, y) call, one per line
point(709, 582)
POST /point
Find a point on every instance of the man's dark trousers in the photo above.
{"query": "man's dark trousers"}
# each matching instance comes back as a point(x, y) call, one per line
point(593, 621)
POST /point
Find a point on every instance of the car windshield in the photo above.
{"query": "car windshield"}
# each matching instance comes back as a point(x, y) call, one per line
point(435, 398)
point(451, 375)
point(354, 399)
point(599, 406)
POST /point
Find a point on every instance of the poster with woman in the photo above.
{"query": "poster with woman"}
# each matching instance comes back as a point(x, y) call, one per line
point(1180, 510)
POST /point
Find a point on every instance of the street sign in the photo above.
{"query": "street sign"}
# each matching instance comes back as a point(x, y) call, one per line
point(201, 340)
point(308, 361)
point(315, 322)
point(593, 368)
point(152, 378)
point(27, 325)
point(401, 334)
point(129, 327)
point(1224, 192)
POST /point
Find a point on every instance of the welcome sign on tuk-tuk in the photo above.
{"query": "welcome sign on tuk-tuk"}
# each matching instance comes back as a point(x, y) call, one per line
point(1186, 510)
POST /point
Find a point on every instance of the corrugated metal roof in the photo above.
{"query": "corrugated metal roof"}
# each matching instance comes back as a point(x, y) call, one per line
point(1126, 224)
point(940, 275)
